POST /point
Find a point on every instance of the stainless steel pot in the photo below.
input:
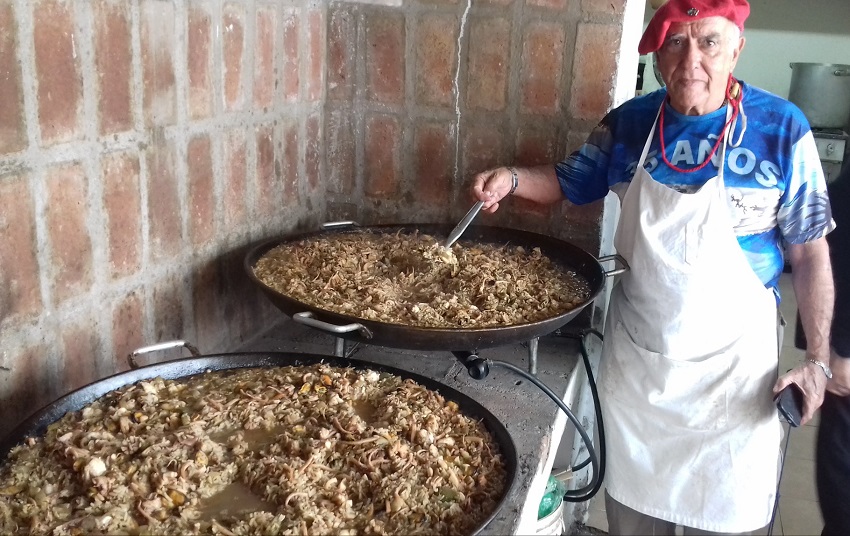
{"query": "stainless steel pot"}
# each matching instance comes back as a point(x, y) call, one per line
point(822, 91)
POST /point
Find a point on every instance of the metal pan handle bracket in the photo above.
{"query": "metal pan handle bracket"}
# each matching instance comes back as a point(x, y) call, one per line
point(617, 258)
point(307, 319)
point(168, 345)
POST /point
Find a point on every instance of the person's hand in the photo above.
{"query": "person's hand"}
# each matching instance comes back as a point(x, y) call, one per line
point(840, 382)
point(491, 187)
point(812, 382)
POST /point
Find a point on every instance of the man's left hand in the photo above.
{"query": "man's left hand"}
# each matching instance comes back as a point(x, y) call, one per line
point(812, 382)
point(811, 276)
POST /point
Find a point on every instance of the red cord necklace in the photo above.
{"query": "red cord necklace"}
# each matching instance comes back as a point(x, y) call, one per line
point(733, 99)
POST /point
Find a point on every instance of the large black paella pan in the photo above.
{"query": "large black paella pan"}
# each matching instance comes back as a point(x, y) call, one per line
point(567, 256)
point(234, 364)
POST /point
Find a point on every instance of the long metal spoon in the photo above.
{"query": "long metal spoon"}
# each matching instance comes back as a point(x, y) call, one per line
point(464, 223)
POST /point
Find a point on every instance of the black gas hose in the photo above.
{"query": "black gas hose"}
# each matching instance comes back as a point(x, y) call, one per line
point(597, 463)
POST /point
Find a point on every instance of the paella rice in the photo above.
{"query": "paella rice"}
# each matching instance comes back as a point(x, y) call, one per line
point(283, 450)
point(411, 279)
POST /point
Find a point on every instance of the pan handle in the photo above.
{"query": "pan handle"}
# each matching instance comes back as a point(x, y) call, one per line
point(159, 347)
point(339, 225)
point(615, 257)
point(307, 319)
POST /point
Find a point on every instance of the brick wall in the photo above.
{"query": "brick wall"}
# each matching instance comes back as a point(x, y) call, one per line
point(145, 144)
point(421, 97)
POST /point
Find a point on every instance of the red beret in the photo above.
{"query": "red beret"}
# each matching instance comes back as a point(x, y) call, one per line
point(686, 11)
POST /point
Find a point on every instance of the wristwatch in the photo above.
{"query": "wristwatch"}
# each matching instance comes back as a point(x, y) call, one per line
point(824, 367)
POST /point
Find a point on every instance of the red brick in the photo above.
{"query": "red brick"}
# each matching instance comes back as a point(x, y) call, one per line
point(610, 7)
point(80, 348)
point(385, 38)
point(489, 59)
point(339, 136)
point(159, 40)
point(264, 68)
point(201, 190)
point(199, 60)
point(290, 161)
point(60, 86)
point(575, 139)
point(114, 63)
point(168, 308)
point(165, 227)
point(291, 53)
point(530, 210)
point(588, 214)
point(233, 52)
point(235, 179)
point(383, 156)
point(127, 329)
point(342, 36)
point(582, 223)
point(312, 151)
point(315, 55)
point(268, 195)
point(27, 386)
point(20, 293)
point(542, 62)
point(13, 135)
point(536, 146)
point(593, 70)
point(436, 40)
point(434, 162)
point(484, 147)
point(123, 208)
point(549, 4)
point(70, 242)
point(207, 304)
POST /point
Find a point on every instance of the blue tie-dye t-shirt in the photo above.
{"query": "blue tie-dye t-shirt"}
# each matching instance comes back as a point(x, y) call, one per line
point(774, 180)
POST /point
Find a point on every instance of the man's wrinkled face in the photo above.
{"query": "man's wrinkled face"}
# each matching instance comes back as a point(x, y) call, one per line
point(696, 60)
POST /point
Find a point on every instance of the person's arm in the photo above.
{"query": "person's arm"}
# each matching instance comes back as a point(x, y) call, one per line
point(538, 184)
point(811, 276)
point(582, 177)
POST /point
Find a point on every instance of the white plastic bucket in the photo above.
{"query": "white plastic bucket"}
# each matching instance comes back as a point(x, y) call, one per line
point(553, 524)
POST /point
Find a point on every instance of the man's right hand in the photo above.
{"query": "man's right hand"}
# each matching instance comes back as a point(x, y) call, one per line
point(491, 187)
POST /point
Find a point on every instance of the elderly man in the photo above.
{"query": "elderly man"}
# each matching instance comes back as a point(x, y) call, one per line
point(717, 181)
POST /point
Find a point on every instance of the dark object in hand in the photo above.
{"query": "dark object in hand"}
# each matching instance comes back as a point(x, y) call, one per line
point(789, 401)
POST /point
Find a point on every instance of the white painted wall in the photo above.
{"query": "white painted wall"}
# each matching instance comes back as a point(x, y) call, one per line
point(780, 32)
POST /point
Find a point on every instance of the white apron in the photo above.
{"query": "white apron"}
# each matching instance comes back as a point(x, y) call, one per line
point(688, 364)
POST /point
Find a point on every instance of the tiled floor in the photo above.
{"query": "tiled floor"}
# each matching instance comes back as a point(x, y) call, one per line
point(798, 512)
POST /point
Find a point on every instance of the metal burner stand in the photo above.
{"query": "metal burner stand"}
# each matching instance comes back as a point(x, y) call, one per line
point(476, 365)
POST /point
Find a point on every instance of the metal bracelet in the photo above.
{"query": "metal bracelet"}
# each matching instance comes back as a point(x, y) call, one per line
point(823, 366)
point(515, 179)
